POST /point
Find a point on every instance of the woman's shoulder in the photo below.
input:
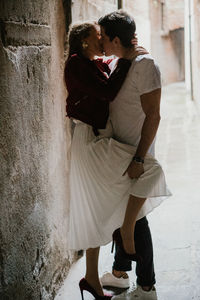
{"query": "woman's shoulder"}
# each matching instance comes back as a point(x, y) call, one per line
point(74, 62)
point(73, 59)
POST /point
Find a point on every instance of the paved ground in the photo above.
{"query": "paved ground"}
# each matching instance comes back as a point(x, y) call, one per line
point(175, 225)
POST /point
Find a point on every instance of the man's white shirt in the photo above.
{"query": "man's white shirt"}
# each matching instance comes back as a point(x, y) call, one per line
point(126, 114)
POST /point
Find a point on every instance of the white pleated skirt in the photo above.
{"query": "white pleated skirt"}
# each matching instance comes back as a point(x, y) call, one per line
point(99, 192)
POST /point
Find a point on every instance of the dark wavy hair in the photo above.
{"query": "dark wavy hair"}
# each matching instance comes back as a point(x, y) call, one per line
point(77, 33)
point(120, 24)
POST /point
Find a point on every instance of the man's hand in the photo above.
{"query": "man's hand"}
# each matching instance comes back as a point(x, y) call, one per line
point(134, 170)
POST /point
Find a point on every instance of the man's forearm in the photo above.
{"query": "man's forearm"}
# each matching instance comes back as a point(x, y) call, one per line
point(148, 134)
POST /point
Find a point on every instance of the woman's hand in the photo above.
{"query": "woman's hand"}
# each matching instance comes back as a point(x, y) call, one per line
point(134, 41)
point(135, 51)
point(139, 50)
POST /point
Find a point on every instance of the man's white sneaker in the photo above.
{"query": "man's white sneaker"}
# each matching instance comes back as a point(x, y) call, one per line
point(137, 294)
point(108, 279)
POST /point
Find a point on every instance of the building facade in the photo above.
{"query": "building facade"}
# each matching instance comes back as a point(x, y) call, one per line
point(192, 47)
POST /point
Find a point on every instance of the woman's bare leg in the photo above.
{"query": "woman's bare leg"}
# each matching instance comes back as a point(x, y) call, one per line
point(128, 226)
point(92, 275)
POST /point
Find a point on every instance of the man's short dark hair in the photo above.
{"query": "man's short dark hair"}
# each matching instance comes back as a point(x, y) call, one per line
point(120, 24)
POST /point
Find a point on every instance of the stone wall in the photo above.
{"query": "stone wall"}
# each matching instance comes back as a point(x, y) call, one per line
point(33, 150)
point(34, 145)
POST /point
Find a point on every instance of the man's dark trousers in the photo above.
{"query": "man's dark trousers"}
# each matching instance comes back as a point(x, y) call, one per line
point(143, 246)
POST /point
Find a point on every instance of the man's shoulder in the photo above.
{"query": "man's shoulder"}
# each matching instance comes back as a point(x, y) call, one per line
point(144, 59)
point(145, 63)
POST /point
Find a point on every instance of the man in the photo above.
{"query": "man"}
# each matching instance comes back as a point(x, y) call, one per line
point(135, 116)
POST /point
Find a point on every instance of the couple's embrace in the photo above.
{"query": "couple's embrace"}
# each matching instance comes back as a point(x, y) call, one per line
point(115, 181)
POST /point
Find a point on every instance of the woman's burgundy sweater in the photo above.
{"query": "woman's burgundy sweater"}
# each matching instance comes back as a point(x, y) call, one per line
point(90, 90)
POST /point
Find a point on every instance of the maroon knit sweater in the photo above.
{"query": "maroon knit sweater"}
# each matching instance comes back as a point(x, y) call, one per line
point(90, 90)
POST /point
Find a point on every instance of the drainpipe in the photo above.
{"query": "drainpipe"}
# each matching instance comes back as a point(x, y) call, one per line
point(67, 5)
point(119, 4)
point(190, 47)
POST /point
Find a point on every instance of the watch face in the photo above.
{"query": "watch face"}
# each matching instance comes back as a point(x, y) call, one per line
point(138, 159)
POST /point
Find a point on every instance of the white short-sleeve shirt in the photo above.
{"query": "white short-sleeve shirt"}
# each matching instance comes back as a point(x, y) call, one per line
point(126, 112)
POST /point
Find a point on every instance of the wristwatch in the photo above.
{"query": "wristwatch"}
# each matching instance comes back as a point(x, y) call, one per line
point(138, 159)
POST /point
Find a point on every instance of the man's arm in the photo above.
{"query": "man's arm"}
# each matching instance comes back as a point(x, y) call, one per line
point(151, 106)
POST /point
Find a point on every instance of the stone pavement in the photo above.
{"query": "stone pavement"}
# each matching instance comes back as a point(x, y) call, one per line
point(175, 225)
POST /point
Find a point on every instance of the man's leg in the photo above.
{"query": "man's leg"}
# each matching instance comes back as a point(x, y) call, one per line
point(143, 243)
point(145, 269)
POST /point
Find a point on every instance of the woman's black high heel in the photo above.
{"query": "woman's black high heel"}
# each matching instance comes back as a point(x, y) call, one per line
point(117, 240)
point(85, 286)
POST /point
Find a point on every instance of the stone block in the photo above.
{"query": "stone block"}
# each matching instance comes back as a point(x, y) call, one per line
point(26, 11)
point(19, 34)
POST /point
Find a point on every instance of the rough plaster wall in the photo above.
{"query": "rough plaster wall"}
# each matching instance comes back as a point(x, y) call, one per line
point(33, 150)
point(177, 38)
point(174, 14)
point(162, 45)
point(140, 11)
point(91, 9)
point(196, 50)
point(187, 47)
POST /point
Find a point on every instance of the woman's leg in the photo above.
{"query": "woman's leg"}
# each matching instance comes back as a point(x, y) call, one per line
point(128, 227)
point(92, 275)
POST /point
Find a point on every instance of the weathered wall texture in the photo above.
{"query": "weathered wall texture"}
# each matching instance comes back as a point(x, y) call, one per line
point(167, 38)
point(192, 47)
point(174, 17)
point(91, 9)
point(140, 11)
point(160, 29)
point(196, 50)
point(33, 150)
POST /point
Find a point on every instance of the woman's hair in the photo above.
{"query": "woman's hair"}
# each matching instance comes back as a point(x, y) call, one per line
point(120, 24)
point(77, 33)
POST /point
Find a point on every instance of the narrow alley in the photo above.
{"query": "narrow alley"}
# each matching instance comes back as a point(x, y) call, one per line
point(175, 225)
point(35, 144)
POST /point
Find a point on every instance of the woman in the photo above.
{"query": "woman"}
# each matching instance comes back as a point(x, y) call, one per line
point(99, 191)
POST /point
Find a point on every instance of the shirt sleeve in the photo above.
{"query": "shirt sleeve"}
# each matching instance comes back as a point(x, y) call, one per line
point(147, 76)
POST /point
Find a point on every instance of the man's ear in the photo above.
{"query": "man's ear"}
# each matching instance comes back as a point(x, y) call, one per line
point(116, 41)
